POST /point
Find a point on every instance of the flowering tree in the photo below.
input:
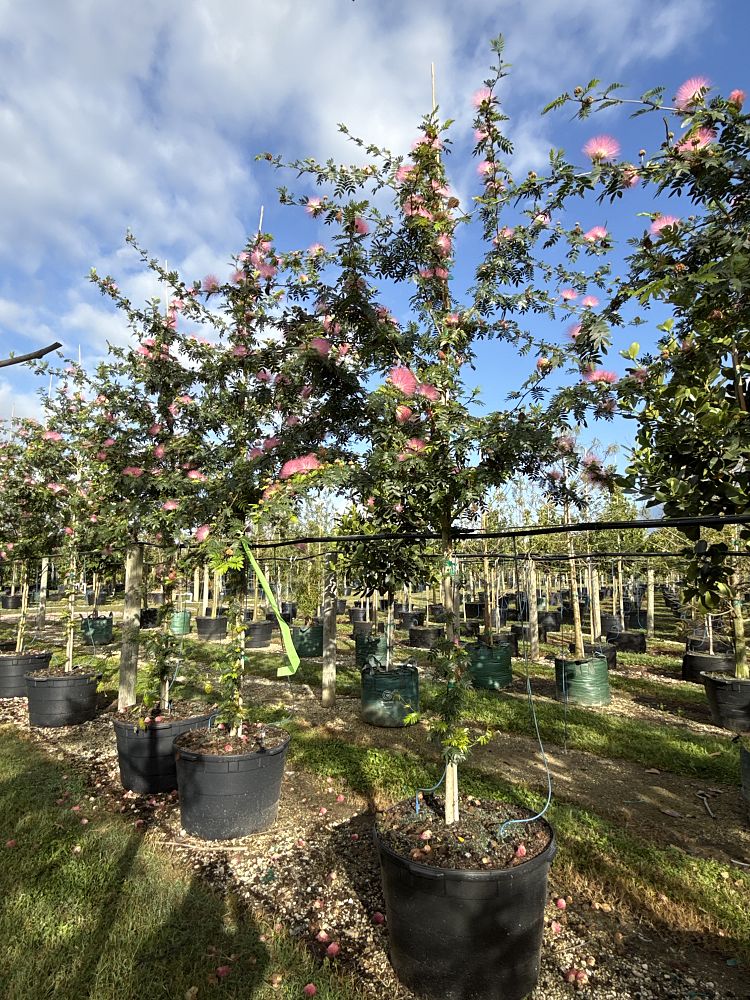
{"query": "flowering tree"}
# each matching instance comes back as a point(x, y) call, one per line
point(689, 397)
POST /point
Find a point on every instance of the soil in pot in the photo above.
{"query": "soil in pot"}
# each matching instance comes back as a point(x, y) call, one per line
point(465, 907)
point(61, 699)
point(144, 745)
point(230, 785)
point(585, 682)
point(13, 670)
point(728, 700)
point(388, 696)
point(694, 664)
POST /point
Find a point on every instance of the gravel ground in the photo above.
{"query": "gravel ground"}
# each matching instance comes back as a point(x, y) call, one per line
point(315, 873)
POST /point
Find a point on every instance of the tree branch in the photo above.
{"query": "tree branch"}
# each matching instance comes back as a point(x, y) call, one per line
point(19, 360)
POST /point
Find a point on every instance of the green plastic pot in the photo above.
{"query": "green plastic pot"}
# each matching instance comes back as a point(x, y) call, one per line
point(585, 682)
point(490, 666)
point(97, 629)
point(308, 641)
point(180, 623)
point(388, 696)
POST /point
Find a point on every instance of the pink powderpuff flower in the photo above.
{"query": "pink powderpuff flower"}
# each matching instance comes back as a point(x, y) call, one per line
point(270, 443)
point(441, 273)
point(595, 233)
point(237, 277)
point(108, 442)
point(506, 233)
point(428, 391)
point(480, 96)
point(240, 351)
point(101, 455)
point(134, 471)
point(600, 375)
point(160, 451)
point(698, 139)
point(68, 531)
point(403, 379)
point(264, 375)
point(52, 436)
point(415, 445)
point(452, 319)
point(590, 301)
point(321, 346)
point(602, 147)
point(267, 271)
point(444, 244)
point(426, 273)
point(144, 351)
point(154, 429)
point(737, 97)
point(691, 92)
point(485, 168)
point(542, 219)
point(202, 533)
point(344, 349)
point(361, 226)
point(197, 476)
point(291, 421)
point(404, 172)
point(315, 248)
point(662, 222)
point(170, 505)
point(313, 206)
point(574, 330)
point(403, 414)
point(630, 177)
point(210, 284)
point(330, 325)
point(305, 391)
point(254, 453)
point(568, 294)
point(555, 475)
point(306, 463)
point(480, 134)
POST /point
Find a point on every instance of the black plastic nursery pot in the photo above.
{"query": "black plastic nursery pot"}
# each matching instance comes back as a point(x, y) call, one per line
point(426, 636)
point(729, 701)
point(64, 700)
point(356, 615)
point(341, 607)
point(610, 623)
point(522, 630)
point(11, 602)
point(97, 630)
point(361, 628)
point(146, 755)
point(258, 634)
point(465, 934)
point(490, 666)
point(411, 619)
point(370, 651)
point(695, 664)
point(289, 608)
point(388, 696)
point(308, 640)
point(223, 796)
point(628, 642)
point(149, 617)
point(474, 609)
point(550, 621)
point(585, 682)
point(13, 670)
point(700, 644)
point(211, 628)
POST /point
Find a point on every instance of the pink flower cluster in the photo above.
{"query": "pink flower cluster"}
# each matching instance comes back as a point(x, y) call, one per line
point(295, 466)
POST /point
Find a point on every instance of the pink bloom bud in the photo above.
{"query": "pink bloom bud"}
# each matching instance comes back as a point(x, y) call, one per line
point(202, 533)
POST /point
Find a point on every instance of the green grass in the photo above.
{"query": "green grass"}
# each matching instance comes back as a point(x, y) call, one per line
point(117, 920)
point(662, 883)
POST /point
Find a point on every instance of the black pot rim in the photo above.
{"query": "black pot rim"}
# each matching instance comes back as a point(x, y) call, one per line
point(34, 654)
point(123, 725)
point(194, 756)
point(41, 677)
point(722, 678)
point(469, 874)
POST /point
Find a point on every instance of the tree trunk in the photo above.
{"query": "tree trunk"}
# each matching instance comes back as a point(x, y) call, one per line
point(131, 627)
point(330, 597)
point(203, 608)
point(573, 583)
point(21, 632)
point(197, 586)
point(650, 602)
point(451, 793)
point(621, 592)
point(41, 616)
point(738, 625)
point(215, 594)
point(70, 625)
point(533, 612)
point(596, 610)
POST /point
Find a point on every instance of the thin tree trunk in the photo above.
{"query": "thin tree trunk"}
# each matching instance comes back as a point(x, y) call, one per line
point(621, 591)
point(650, 602)
point(596, 612)
point(41, 616)
point(71, 622)
point(215, 594)
point(533, 611)
point(131, 624)
point(573, 583)
point(451, 793)
point(330, 598)
point(21, 632)
point(197, 586)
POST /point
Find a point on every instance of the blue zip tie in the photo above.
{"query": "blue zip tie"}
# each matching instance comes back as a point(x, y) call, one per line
point(416, 797)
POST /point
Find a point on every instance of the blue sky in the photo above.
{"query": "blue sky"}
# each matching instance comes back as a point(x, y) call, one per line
point(148, 116)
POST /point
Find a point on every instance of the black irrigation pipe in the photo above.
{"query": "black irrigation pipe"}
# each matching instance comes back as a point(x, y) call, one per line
point(555, 529)
point(581, 555)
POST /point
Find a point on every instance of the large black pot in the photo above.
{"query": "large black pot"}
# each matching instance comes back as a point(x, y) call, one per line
point(211, 628)
point(149, 617)
point(340, 606)
point(289, 608)
point(426, 636)
point(585, 682)
point(223, 796)
point(65, 700)
point(11, 602)
point(605, 649)
point(411, 619)
point(511, 638)
point(258, 634)
point(628, 642)
point(474, 609)
point(729, 701)
point(700, 644)
point(146, 755)
point(13, 670)
point(694, 664)
point(388, 696)
point(610, 623)
point(361, 629)
point(550, 621)
point(465, 934)
point(157, 598)
point(490, 666)
point(356, 615)
point(522, 630)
